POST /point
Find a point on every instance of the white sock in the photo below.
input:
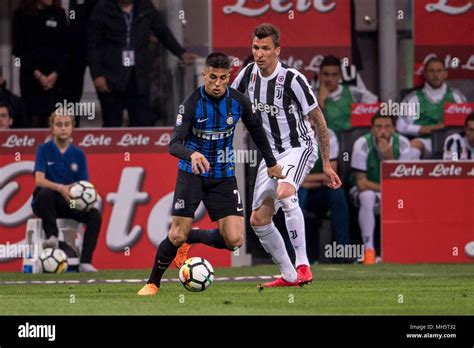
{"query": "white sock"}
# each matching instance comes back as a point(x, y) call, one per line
point(295, 225)
point(273, 243)
point(367, 217)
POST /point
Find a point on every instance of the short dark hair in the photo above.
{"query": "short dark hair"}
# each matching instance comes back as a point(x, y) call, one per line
point(434, 59)
point(218, 60)
point(330, 61)
point(379, 115)
point(469, 118)
point(8, 107)
point(265, 30)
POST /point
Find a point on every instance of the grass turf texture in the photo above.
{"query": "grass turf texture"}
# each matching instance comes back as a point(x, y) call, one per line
point(337, 289)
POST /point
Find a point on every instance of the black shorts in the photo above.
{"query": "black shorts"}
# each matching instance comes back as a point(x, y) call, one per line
point(220, 196)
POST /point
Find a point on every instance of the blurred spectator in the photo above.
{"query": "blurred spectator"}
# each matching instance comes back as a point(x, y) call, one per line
point(336, 99)
point(460, 146)
point(6, 119)
point(381, 143)
point(118, 36)
point(431, 99)
point(58, 165)
point(77, 14)
point(316, 197)
point(39, 41)
point(17, 107)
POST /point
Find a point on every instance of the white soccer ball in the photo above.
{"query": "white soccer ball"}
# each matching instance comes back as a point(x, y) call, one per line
point(469, 249)
point(53, 260)
point(84, 195)
point(196, 274)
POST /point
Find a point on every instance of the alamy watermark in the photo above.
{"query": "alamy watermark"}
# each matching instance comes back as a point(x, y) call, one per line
point(238, 156)
point(403, 109)
point(344, 251)
point(16, 250)
point(76, 109)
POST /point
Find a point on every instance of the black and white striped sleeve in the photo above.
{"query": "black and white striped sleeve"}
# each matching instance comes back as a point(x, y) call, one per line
point(303, 92)
point(241, 82)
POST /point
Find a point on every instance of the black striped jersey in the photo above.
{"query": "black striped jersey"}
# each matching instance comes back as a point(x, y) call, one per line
point(456, 147)
point(206, 124)
point(282, 101)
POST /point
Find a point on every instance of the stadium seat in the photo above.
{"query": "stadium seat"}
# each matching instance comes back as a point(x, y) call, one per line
point(71, 235)
point(347, 139)
point(438, 137)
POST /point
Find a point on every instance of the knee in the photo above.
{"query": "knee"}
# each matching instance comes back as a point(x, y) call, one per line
point(234, 242)
point(177, 235)
point(285, 190)
point(257, 220)
point(417, 144)
point(45, 194)
point(94, 216)
point(367, 198)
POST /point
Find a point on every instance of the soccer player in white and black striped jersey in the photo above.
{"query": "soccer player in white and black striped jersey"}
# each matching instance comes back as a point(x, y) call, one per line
point(283, 99)
point(460, 146)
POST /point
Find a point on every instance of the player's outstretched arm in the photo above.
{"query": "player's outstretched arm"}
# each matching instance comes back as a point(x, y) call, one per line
point(255, 128)
point(318, 123)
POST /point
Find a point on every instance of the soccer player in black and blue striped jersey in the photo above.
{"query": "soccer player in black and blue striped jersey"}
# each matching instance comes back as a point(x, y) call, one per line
point(204, 130)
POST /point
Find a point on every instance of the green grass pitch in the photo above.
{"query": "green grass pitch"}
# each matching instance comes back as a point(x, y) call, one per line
point(383, 289)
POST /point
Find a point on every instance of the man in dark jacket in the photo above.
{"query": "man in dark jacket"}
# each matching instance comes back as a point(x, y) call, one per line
point(118, 38)
point(78, 13)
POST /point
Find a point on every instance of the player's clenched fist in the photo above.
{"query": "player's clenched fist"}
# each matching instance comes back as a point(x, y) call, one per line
point(275, 172)
point(199, 163)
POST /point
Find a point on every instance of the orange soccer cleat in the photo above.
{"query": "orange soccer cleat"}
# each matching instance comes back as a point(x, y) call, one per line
point(182, 255)
point(149, 290)
point(305, 276)
point(369, 257)
point(280, 282)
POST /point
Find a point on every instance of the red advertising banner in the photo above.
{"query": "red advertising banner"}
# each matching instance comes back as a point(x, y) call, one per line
point(455, 113)
point(135, 178)
point(427, 211)
point(361, 114)
point(309, 29)
point(445, 28)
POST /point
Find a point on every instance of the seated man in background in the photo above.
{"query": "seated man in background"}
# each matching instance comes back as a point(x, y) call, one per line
point(336, 99)
point(460, 146)
point(381, 143)
point(316, 197)
point(431, 99)
point(18, 113)
point(58, 165)
point(6, 119)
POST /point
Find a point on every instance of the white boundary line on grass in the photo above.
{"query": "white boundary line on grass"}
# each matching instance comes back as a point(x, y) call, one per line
point(125, 281)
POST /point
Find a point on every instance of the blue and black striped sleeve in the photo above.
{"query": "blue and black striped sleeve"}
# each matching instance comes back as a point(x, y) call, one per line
point(255, 128)
point(181, 130)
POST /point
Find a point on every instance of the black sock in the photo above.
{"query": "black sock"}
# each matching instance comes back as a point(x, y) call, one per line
point(209, 237)
point(164, 256)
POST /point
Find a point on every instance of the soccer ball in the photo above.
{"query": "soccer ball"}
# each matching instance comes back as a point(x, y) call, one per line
point(53, 260)
point(469, 249)
point(196, 274)
point(84, 195)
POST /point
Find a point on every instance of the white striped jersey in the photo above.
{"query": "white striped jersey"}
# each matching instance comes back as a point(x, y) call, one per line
point(282, 101)
point(456, 147)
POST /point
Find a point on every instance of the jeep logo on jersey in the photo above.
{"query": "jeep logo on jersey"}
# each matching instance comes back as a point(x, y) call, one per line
point(269, 109)
point(210, 135)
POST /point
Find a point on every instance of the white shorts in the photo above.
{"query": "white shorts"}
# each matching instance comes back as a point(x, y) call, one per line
point(296, 162)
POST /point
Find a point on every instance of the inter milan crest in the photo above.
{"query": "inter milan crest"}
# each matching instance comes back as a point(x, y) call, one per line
point(230, 120)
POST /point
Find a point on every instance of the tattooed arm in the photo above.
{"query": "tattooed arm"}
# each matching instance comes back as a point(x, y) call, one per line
point(318, 123)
